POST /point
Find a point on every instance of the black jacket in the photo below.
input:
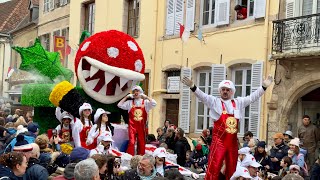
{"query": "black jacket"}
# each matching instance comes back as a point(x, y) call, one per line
point(263, 161)
point(7, 174)
point(315, 172)
point(279, 152)
point(170, 141)
point(181, 147)
point(36, 171)
point(131, 174)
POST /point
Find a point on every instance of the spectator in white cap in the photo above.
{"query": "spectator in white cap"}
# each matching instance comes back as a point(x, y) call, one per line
point(160, 158)
point(104, 143)
point(252, 165)
point(242, 154)
point(82, 126)
point(298, 157)
point(138, 105)
point(294, 169)
point(64, 126)
point(241, 173)
point(101, 127)
point(226, 112)
point(287, 137)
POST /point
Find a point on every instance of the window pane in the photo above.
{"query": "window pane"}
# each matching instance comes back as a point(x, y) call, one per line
point(213, 11)
point(200, 122)
point(206, 6)
point(248, 76)
point(202, 89)
point(318, 6)
point(200, 108)
point(246, 125)
point(202, 79)
point(238, 91)
point(209, 80)
point(307, 7)
point(251, 7)
point(248, 88)
point(246, 112)
point(238, 77)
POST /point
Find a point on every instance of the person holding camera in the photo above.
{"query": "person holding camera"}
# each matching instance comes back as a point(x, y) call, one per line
point(138, 107)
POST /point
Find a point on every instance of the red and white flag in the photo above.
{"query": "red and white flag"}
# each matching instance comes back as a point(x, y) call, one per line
point(10, 72)
point(184, 33)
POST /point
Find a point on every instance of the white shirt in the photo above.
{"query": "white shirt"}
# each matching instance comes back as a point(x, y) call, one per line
point(98, 150)
point(138, 102)
point(58, 128)
point(160, 170)
point(94, 132)
point(215, 105)
point(76, 129)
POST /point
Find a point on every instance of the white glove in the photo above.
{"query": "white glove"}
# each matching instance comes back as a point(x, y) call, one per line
point(130, 96)
point(89, 141)
point(187, 82)
point(267, 82)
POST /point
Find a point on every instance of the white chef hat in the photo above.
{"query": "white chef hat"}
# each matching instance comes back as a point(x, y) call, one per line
point(228, 84)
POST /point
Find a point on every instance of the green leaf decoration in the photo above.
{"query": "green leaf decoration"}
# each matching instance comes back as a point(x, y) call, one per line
point(84, 35)
point(35, 59)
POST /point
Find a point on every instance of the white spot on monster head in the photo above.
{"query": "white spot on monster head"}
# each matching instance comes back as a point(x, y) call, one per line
point(132, 46)
point(113, 52)
point(138, 65)
point(85, 46)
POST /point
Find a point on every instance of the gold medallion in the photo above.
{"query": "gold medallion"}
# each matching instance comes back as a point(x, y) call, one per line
point(231, 124)
point(224, 112)
point(137, 115)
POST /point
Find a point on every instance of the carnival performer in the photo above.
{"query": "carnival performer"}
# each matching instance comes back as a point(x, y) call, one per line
point(64, 129)
point(138, 109)
point(104, 144)
point(226, 112)
point(101, 127)
point(82, 126)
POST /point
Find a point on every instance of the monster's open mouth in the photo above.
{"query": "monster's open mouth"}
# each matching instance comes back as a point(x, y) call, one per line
point(106, 83)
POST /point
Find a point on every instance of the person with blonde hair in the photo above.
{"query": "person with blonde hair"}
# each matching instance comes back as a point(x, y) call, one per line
point(21, 121)
point(35, 170)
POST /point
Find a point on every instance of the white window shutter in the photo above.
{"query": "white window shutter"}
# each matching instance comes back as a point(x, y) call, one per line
point(222, 13)
point(190, 14)
point(184, 104)
point(51, 5)
point(290, 8)
point(256, 82)
point(179, 6)
point(170, 17)
point(259, 8)
point(218, 74)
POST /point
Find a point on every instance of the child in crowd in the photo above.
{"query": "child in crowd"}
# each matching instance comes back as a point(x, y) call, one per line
point(188, 159)
point(285, 163)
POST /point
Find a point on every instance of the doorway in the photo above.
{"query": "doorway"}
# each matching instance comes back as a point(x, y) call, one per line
point(172, 111)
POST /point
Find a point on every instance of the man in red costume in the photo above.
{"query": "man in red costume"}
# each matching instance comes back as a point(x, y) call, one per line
point(226, 112)
point(138, 109)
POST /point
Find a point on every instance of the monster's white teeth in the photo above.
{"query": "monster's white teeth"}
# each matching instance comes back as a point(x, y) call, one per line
point(103, 90)
point(86, 74)
point(108, 77)
point(123, 81)
point(118, 90)
point(93, 70)
point(92, 84)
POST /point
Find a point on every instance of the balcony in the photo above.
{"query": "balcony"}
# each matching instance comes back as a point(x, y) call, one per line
point(298, 35)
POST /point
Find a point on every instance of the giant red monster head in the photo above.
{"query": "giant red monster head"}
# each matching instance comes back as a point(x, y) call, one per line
point(108, 64)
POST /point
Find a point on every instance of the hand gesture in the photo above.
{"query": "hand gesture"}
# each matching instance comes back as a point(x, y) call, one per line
point(143, 96)
point(130, 96)
point(267, 82)
point(187, 82)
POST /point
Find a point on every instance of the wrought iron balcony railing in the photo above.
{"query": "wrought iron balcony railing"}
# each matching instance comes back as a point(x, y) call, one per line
point(296, 34)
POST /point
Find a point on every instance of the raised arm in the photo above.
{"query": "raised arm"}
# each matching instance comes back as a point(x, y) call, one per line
point(124, 104)
point(150, 103)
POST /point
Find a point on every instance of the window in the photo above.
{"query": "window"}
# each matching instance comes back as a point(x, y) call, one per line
point(56, 33)
point(249, 4)
point(302, 7)
point(63, 2)
point(133, 18)
point(208, 12)
point(242, 81)
point(175, 9)
point(89, 17)
point(45, 41)
point(65, 33)
point(202, 112)
point(48, 5)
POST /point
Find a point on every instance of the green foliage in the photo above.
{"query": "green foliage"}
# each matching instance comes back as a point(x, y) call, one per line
point(45, 117)
point(36, 95)
point(37, 60)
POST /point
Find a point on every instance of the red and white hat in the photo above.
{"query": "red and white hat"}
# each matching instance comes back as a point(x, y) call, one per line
point(160, 152)
point(227, 84)
point(98, 114)
point(105, 137)
point(241, 172)
point(85, 106)
point(249, 160)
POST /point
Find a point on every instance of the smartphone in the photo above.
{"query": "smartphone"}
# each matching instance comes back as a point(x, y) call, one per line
point(54, 133)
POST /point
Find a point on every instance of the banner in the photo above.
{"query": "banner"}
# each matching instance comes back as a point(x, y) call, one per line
point(59, 45)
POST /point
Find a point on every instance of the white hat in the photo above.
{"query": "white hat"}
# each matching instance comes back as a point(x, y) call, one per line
point(160, 152)
point(244, 150)
point(289, 133)
point(228, 84)
point(295, 141)
point(65, 114)
point(249, 160)
point(136, 87)
point(21, 129)
point(240, 172)
point(294, 166)
point(98, 114)
point(85, 106)
point(105, 137)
